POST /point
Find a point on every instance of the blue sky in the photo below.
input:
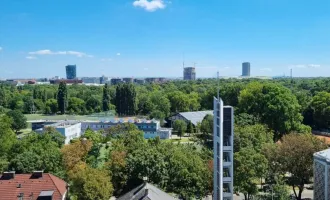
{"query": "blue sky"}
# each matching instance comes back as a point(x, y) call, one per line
point(148, 38)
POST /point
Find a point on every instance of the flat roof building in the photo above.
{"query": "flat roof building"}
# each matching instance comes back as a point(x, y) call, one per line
point(322, 175)
point(246, 67)
point(115, 81)
point(71, 71)
point(193, 117)
point(69, 129)
point(189, 73)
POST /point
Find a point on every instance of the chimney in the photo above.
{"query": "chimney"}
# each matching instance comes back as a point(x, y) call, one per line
point(8, 175)
point(37, 174)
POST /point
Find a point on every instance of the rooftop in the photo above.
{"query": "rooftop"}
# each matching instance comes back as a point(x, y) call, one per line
point(323, 155)
point(31, 187)
point(146, 191)
point(197, 116)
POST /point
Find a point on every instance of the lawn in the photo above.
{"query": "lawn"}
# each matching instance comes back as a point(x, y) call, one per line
point(103, 154)
point(31, 117)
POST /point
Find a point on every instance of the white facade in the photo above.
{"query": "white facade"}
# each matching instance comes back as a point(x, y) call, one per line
point(322, 175)
point(223, 139)
point(150, 128)
point(69, 129)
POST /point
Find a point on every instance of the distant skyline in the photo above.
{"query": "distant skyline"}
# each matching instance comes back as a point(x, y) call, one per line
point(141, 38)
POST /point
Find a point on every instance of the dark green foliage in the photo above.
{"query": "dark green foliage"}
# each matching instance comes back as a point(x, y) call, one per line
point(125, 102)
point(38, 152)
point(62, 97)
point(274, 105)
point(174, 168)
point(7, 136)
point(51, 106)
point(18, 120)
point(190, 128)
point(106, 98)
point(180, 127)
point(321, 110)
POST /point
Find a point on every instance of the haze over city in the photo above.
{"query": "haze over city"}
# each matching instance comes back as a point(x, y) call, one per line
point(148, 38)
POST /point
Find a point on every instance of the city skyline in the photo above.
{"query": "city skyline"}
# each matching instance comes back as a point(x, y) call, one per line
point(152, 38)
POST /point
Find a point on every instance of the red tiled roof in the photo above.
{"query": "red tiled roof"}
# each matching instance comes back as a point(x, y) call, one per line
point(32, 186)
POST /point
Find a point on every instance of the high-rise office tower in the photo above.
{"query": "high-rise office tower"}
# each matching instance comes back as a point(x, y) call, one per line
point(71, 71)
point(223, 138)
point(189, 73)
point(246, 69)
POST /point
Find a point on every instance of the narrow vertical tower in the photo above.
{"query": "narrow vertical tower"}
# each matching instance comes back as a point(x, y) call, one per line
point(223, 139)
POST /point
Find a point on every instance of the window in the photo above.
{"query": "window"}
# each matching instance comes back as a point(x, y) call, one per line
point(218, 164)
point(218, 149)
point(226, 172)
point(226, 141)
point(226, 157)
point(226, 188)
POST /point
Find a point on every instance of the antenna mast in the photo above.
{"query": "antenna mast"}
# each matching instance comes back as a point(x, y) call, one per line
point(218, 90)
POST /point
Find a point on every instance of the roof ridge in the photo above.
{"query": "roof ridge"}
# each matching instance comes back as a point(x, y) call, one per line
point(51, 177)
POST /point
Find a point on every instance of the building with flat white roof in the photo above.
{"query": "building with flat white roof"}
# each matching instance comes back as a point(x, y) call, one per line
point(69, 129)
point(322, 175)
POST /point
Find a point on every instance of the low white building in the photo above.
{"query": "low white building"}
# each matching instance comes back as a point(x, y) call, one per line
point(322, 175)
point(150, 128)
point(69, 129)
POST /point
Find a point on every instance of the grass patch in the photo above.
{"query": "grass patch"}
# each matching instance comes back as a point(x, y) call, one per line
point(103, 155)
point(31, 117)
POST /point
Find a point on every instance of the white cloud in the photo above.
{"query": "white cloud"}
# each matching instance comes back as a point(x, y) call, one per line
point(304, 66)
point(118, 54)
point(49, 52)
point(266, 69)
point(0, 48)
point(314, 66)
point(150, 5)
point(31, 57)
point(106, 59)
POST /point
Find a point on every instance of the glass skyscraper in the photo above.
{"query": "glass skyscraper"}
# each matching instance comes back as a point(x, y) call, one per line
point(246, 67)
point(71, 71)
point(223, 139)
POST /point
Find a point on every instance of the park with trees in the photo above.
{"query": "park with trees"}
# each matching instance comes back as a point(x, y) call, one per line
point(274, 121)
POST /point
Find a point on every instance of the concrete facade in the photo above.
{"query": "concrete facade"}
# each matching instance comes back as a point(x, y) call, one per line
point(73, 129)
point(322, 175)
point(223, 140)
point(69, 129)
point(189, 73)
point(150, 128)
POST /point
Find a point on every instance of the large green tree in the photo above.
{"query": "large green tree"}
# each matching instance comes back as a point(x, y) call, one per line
point(321, 109)
point(7, 136)
point(126, 102)
point(18, 121)
point(274, 105)
point(249, 166)
point(106, 98)
point(51, 106)
point(62, 97)
point(180, 127)
point(294, 154)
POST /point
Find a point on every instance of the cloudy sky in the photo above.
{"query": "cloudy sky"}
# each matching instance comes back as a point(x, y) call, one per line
point(149, 37)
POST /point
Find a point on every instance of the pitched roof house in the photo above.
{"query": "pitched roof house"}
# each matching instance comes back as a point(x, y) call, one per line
point(35, 186)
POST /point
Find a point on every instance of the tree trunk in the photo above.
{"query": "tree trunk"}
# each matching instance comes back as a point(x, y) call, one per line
point(245, 196)
point(301, 189)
